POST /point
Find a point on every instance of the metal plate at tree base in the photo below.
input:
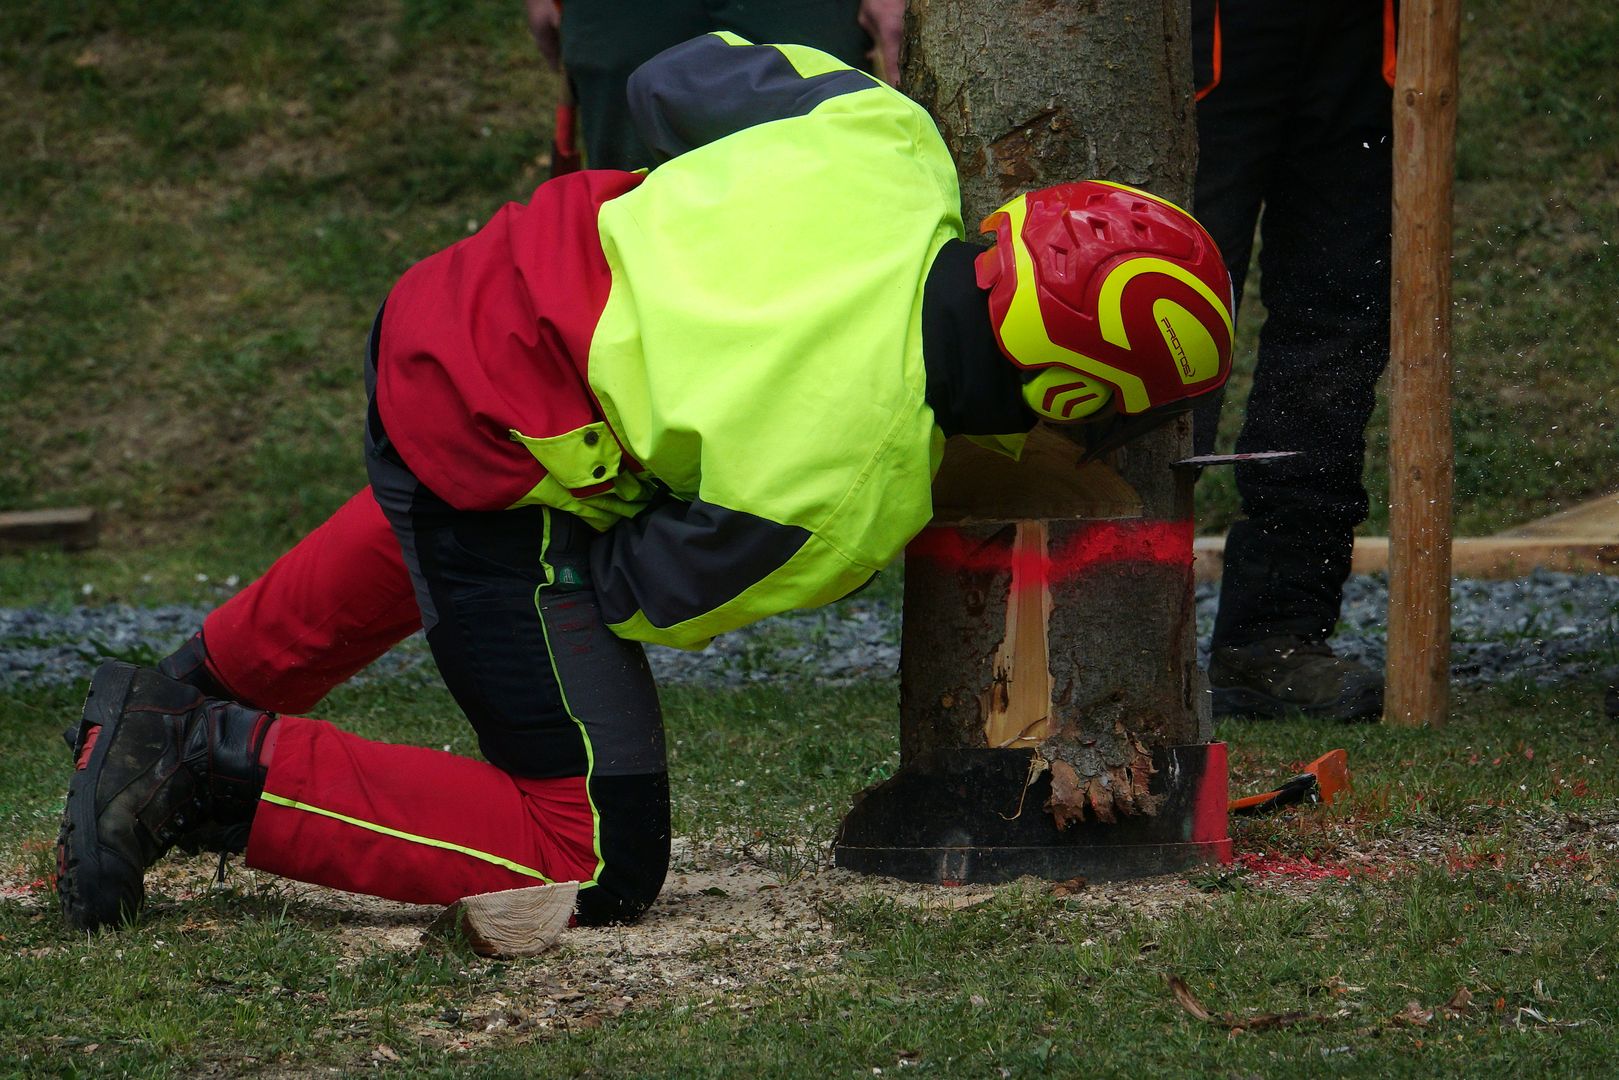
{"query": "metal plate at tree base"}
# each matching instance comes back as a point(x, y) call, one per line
point(976, 816)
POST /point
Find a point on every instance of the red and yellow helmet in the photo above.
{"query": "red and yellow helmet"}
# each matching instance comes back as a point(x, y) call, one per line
point(1106, 296)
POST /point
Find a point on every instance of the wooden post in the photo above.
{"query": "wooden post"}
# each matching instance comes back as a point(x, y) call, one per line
point(1421, 455)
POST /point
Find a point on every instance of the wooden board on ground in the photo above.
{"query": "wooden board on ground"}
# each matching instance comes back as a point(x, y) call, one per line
point(72, 528)
point(1581, 540)
point(1505, 557)
point(1597, 517)
point(511, 923)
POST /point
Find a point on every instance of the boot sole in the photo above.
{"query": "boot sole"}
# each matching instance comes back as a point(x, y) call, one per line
point(93, 885)
point(1241, 701)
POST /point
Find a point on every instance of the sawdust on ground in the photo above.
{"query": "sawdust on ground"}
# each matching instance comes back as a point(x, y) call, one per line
point(726, 925)
point(723, 926)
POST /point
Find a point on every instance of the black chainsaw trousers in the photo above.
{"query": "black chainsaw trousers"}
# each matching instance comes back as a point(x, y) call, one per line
point(511, 616)
point(1294, 137)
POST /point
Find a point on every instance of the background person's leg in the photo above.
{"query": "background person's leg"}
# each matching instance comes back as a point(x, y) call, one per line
point(602, 42)
point(1324, 259)
point(1325, 279)
point(1324, 276)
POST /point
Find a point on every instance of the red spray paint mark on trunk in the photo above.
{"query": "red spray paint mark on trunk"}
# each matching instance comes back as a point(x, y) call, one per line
point(1167, 543)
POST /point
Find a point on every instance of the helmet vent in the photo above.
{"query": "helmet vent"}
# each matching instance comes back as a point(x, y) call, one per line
point(1062, 263)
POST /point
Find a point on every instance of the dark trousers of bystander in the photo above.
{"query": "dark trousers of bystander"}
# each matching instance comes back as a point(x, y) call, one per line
point(604, 40)
point(1294, 136)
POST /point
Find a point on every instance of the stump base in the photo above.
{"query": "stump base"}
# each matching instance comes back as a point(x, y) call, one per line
point(974, 816)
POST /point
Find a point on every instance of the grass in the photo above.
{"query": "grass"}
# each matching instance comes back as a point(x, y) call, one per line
point(1027, 987)
point(204, 205)
point(1478, 857)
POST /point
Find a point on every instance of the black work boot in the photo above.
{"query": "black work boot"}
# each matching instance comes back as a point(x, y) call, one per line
point(1284, 675)
point(189, 664)
point(155, 761)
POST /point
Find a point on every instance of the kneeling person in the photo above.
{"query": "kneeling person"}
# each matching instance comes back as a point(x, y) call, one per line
point(639, 408)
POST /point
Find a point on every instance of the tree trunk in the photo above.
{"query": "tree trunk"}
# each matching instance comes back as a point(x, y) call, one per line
point(1038, 92)
point(1070, 632)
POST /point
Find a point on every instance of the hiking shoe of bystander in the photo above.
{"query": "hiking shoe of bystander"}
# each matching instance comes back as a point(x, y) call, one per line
point(1284, 675)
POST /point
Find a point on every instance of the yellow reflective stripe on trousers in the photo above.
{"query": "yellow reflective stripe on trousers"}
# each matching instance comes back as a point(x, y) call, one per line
point(428, 841)
point(562, 693)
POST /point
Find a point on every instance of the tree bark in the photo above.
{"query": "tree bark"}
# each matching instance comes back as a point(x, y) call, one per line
point(1070, 632)
point(1039, 92)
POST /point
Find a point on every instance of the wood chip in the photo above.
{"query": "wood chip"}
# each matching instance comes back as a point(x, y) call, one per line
point(1188, 1000)
point(511, 923)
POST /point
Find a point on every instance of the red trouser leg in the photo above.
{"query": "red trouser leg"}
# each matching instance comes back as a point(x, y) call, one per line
point(338, 600)
point(412, 824)
point(428, 827)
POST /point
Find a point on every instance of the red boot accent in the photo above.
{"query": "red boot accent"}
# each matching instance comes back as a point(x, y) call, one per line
point(89, 745)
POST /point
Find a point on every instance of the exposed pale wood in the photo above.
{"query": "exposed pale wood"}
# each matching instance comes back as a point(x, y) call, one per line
point(1499, 556)
point(74, 528)
point(511, 923)
point(976, 484)
point(1597, 517)
point(1017, 705)
point(1421, 455)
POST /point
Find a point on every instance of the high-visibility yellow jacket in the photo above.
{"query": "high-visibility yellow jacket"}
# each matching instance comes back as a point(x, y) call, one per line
point(719, 364)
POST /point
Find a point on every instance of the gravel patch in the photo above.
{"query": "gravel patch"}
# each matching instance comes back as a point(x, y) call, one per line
point(1544, 628)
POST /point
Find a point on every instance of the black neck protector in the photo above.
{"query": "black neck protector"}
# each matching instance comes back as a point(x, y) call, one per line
point(972, 388)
